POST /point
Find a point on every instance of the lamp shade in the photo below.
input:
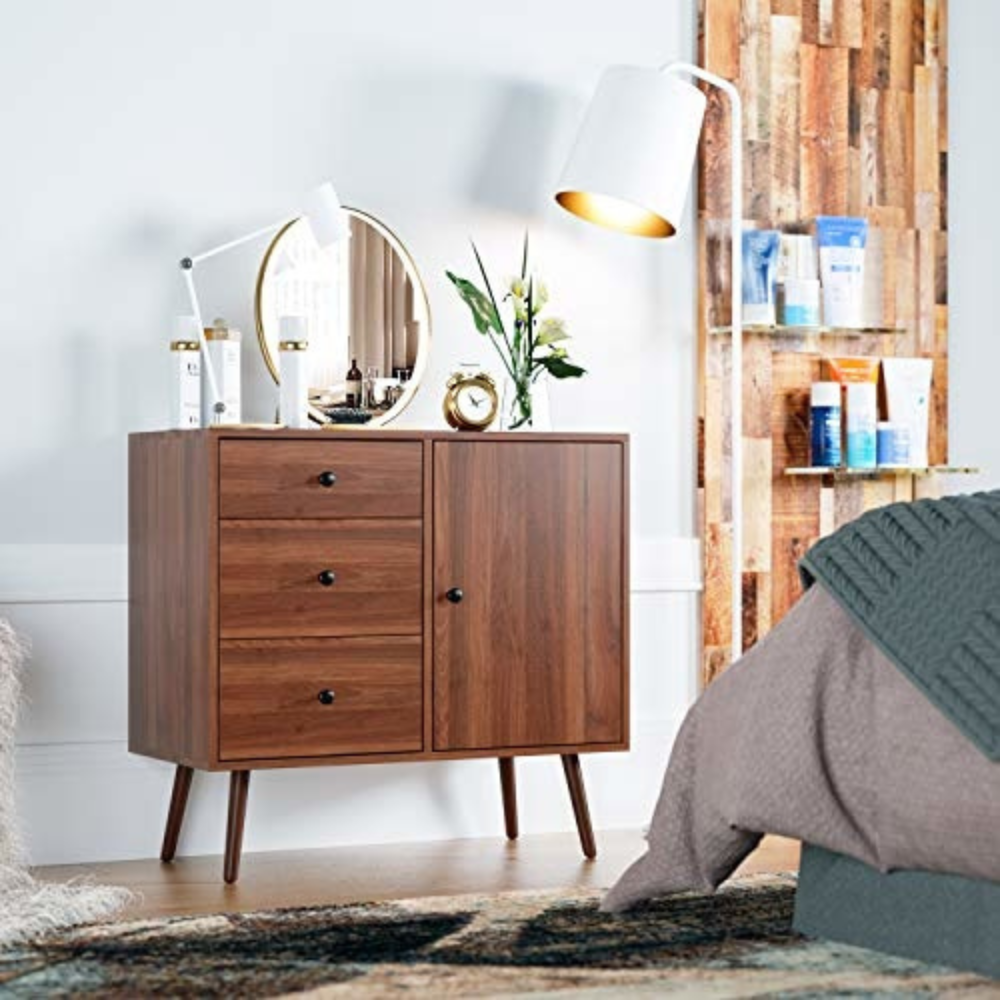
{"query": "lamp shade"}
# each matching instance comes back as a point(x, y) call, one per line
point(321, 208)
point(631, 166)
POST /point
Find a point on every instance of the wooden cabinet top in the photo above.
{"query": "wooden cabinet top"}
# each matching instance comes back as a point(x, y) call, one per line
point(265, 431)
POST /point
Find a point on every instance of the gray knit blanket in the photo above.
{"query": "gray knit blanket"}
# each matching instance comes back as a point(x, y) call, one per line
point(922, 580)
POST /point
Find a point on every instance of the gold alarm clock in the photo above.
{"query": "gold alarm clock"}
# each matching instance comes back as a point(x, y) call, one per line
point(471, 401)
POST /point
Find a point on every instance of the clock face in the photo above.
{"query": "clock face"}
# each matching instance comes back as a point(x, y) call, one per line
point(474, 404)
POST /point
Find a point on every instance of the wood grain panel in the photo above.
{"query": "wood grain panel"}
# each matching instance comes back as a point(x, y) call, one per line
point(269, 704)
point(824, 130)
point(172, 596)
point(270, 587)
point(280, 478)
point(534, 652)
point(786, 38)
point(851, 119)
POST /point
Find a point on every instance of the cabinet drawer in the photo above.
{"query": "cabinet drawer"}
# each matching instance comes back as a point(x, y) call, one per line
point(270, 578)
point(319, 697)
point(320, 479)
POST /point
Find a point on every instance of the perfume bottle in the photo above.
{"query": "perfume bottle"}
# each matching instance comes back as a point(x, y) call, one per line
point(185, 376)
point(293, 369)
point(371, 381)
point(354, 385)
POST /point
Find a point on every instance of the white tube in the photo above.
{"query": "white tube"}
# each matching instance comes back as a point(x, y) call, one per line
point(908, 397)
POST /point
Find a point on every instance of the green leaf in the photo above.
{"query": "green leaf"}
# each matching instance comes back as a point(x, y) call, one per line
point(484, 312)
point(561, 368)
point(551, 337)
point(489, 289)
point(524, 258)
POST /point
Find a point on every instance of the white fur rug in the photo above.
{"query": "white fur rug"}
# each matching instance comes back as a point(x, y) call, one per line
point(29, 907)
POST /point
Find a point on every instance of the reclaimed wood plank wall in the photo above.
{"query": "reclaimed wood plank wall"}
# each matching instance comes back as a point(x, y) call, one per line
point(845, 113)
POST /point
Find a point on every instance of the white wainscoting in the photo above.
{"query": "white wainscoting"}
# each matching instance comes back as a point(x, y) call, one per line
point(83, 797)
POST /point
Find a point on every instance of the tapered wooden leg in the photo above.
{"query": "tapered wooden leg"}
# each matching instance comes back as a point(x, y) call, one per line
point(578, 796)
point(508, 784)
point(239, 784)
point(175, 816)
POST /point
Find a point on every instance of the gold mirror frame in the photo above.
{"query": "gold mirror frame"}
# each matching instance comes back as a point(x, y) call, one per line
point(420, 365)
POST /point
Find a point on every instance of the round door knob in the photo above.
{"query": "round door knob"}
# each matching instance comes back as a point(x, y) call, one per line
point(327, 478)
point(326, 696)
point(455, 595)
point(327, 578)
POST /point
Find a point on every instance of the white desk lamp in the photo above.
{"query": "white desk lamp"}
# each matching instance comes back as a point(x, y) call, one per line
point(630, 170)
point(321, 209)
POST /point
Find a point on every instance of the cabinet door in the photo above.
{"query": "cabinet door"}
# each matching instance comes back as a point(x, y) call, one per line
point(533, 535)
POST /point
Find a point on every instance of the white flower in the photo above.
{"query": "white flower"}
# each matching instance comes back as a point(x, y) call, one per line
point(520, 308)
point(539, 294)
point(517, 288)
point(551, 330)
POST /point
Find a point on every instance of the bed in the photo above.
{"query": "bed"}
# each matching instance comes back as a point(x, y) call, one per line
point(867, 725)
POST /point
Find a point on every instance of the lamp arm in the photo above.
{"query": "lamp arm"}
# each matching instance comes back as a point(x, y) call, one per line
point(187, 269)
point(736, 374)
point(223, 247)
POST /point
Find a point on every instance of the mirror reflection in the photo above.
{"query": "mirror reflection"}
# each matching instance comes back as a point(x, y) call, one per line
point(365, 312)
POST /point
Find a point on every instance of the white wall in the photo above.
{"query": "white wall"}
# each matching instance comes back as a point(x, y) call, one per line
point(974, 237)
point(136, 133)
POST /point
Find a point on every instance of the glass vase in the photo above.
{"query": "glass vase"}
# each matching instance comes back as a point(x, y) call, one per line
point(525, 405)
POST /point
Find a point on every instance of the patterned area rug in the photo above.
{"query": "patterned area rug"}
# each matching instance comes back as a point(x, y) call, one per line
point(738, 943)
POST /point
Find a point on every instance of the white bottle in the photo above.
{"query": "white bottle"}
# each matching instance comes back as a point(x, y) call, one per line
point(185, 376)
point(224, 354)
point(293, 371)
point(862, 425)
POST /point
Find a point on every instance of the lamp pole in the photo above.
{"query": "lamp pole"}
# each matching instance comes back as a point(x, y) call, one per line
point(630, 170)
point(736, 373)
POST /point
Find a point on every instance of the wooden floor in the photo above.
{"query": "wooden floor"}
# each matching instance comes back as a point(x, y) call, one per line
point(396, 871)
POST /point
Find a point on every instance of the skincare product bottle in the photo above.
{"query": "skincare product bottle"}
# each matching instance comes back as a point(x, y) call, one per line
point(825, 423)
point(859, 376)
point(798, 302)
point(853, 369)
point(371, 384)
point(293, 370)
point(862, 423)
point(798, 291)
point(224, 353)
point(842, 269)
point(354, 384)
point(908, 396)
point(893, 445)
point(185, 376)
point(760, 262)
point(797, 256)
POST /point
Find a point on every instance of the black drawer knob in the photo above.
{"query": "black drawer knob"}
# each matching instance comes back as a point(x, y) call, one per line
point(327, 478)
point(327, 697)
point(455, 595)
point(328, 578)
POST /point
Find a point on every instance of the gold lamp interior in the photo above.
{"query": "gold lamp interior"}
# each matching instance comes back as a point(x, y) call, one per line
point(615, 213)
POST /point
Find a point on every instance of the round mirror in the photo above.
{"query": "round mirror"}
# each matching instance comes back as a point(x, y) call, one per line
point(366, 313)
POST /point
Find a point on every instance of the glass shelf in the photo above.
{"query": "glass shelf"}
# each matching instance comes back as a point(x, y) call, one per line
point(841, 472)
point(810, 331)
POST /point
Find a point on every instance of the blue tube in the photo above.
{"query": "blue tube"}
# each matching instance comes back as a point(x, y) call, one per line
point(760, 265)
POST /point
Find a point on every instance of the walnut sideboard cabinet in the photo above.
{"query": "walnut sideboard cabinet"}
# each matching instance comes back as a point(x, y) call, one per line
point(302, 598)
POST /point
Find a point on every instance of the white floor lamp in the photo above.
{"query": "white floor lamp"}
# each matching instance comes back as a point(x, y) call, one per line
point(321, 208)
point(630, 170)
